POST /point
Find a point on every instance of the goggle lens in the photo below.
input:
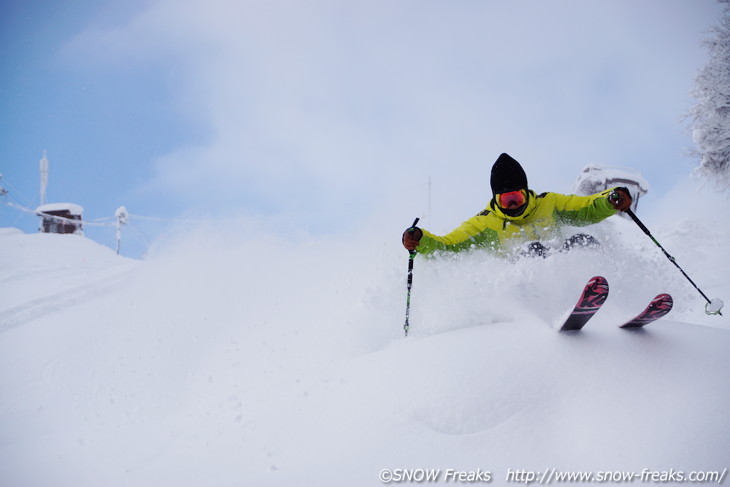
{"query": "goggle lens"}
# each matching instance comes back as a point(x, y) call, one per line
point(513, 199)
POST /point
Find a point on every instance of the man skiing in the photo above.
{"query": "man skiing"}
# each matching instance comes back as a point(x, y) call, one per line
point(518, 218)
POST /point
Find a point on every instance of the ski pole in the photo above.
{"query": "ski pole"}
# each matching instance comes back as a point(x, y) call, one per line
point(714, 303)
point(412, 255)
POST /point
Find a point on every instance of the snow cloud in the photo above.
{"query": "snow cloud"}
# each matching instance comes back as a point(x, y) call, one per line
point(319, 105)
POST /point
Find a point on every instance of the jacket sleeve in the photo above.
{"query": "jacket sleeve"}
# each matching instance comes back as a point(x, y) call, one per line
point(583, 210)
point(474, 231)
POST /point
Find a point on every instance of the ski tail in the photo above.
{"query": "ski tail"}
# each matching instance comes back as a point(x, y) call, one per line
point(658, 308)
point(591, 299)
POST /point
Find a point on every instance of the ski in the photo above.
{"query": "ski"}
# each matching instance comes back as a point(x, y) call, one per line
point(659, 307)
point(591, 300)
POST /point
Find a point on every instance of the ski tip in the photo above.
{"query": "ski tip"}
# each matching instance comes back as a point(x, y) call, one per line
point(592, 298)
point(599, 281)
point(662, 303)
point(658, 308)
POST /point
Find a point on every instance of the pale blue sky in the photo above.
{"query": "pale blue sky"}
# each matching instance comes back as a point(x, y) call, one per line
point(321, 113)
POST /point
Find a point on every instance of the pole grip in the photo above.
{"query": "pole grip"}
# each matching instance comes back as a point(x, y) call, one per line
point(412, 252)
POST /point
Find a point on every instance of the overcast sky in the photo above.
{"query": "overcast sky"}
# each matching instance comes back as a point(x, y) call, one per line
point(324, 112)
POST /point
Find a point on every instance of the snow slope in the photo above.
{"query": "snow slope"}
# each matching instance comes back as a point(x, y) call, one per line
point(44, 272)
point(244, 359)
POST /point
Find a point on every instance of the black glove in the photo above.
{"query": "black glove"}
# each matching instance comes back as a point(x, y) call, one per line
point(620, 198)
point(411, 238)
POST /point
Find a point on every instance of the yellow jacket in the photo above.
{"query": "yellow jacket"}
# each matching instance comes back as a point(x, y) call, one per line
point(541, 220)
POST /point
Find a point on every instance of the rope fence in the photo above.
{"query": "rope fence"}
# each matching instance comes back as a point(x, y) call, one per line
point(122, 217)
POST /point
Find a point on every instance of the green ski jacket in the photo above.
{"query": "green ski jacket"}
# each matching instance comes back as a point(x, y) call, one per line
point(542, 219)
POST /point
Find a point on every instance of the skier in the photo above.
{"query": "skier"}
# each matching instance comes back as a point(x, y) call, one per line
point(518, 218)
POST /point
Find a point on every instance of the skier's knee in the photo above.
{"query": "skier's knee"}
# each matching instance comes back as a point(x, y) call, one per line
point(581, 240)
point(535, 249)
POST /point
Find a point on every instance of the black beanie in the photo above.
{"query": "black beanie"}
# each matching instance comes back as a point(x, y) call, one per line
point(507, 175)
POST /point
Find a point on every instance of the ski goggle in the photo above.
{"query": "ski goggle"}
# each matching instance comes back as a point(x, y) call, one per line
point(513, 199)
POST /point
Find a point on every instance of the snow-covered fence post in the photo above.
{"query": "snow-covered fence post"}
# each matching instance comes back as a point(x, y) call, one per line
point(122, 217)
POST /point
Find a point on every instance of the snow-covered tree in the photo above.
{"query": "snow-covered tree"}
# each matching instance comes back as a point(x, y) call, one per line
point(711, 114)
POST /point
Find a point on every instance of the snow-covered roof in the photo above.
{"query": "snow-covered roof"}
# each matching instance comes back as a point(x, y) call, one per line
point(70, 207)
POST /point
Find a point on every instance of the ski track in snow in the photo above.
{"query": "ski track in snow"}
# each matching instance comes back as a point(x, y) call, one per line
point(35, 308)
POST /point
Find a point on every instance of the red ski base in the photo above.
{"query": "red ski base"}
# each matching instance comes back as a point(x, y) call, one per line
point(659, 307)
point(591, 300)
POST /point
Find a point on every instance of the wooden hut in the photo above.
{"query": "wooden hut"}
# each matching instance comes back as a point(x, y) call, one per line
point(61, 218)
